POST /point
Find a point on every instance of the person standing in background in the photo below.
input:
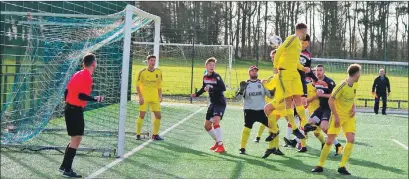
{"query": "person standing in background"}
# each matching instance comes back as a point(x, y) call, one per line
point(379, 90)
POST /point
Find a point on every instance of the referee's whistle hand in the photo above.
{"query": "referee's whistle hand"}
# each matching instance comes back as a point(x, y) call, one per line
point(99, 98)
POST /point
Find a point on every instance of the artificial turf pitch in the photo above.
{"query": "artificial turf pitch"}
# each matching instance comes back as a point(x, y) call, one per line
point(185, 151)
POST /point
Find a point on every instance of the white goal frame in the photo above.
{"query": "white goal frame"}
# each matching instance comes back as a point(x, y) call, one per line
point(129, 11)
point(127, 32)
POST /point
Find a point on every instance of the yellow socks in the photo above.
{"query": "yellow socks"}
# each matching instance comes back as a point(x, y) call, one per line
point(347, 153)
point(276, 142)
point(139, 123)
point(272, 121)
point(290, 117)
point(245, 137)
point(319, 135)
point(260, 130)
point(324, 155)
point(156, 126)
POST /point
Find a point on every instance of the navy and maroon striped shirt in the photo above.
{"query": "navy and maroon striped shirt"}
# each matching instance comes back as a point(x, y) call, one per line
point(216, 88)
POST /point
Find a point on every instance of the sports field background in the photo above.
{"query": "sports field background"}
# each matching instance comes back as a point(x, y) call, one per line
point(185, 151)
point(177, 78)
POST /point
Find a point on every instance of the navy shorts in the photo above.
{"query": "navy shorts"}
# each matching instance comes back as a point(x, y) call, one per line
point(215, 110)
point(321, 114)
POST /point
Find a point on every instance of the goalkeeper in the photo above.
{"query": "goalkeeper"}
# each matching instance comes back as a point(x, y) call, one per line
point(149, 88)
point(253, 93)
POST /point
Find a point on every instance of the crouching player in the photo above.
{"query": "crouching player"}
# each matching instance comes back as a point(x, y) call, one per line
point(214, 85)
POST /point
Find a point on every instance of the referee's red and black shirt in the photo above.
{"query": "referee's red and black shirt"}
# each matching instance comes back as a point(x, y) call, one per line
point(80, 82)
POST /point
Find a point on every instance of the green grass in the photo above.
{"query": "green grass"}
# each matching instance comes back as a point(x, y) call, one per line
point(185, 154)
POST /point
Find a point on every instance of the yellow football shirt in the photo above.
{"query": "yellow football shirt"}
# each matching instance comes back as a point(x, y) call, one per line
point(314, 104)
point(149, 83)
point(288, 54)
point(344, 96)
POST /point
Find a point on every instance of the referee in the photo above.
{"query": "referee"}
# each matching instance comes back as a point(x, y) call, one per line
point(77, 95)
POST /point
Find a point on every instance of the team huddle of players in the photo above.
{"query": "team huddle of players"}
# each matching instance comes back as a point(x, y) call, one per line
point(294, 92)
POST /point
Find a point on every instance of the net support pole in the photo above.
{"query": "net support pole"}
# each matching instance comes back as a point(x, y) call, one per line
point(124, 81)
point(156, 41)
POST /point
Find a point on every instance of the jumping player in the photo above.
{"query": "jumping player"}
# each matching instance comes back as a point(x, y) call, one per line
point(214, 85)
point(290, 88)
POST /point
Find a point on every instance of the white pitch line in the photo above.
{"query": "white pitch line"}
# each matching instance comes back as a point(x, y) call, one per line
point(399, 143)
point(117, 161)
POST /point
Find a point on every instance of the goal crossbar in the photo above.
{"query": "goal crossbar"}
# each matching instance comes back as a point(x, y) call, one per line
point(360, 61)
point(179, 44)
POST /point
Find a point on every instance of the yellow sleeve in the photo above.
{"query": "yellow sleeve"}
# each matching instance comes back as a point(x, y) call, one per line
point(140, 78)
point(336, 93)
point(300, 66)
point(288, 41)
point(160, 79)
point(279, 51)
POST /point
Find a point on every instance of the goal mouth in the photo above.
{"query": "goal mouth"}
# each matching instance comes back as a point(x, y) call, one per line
point(53, 45)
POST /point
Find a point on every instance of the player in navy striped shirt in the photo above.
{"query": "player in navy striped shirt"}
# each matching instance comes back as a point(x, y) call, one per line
point(214, 85)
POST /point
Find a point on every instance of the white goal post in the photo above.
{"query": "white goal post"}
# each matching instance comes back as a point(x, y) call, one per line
point(129, 11)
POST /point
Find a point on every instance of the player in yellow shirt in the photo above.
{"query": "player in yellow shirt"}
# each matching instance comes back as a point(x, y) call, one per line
point(286, 65)
point(342, 107)
point(149, 88)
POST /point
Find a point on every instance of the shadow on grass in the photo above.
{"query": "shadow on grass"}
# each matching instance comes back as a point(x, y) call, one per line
point(239, 160)
point(352, 160)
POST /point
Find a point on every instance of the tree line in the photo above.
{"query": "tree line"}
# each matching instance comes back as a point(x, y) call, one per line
point(350, 30)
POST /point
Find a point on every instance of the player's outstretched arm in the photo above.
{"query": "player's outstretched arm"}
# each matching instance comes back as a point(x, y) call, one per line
point(201, 91)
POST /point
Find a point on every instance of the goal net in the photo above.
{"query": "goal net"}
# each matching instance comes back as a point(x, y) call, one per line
point(183, 66)
point(397, 72)
point(48, 53)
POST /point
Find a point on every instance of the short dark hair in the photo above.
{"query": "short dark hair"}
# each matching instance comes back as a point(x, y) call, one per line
point(150, 56)
point(211, 59)
point(300, 26)
point(307, 38)
point(353, 69)
point(320, 65)
point(88, 59)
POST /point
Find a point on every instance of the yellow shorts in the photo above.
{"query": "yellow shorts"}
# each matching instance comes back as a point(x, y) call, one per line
point(154, 106)
point(289, 84)
point(346, 123)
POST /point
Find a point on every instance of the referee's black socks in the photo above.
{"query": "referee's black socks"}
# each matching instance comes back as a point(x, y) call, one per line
point(64, 162)
point(69, 158)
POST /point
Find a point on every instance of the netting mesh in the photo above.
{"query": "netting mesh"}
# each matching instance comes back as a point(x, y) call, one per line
point(54, 46)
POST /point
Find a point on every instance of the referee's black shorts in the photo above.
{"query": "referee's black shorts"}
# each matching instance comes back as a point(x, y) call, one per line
point(252, 116)
point(74, 119)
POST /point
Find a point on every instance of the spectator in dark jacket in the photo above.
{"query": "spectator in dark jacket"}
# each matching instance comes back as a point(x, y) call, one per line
point(381, 88)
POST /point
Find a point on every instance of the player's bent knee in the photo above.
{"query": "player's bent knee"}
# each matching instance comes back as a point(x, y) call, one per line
point(158, 115)
point(142, 114)
point(268, 109)
point(350, 137)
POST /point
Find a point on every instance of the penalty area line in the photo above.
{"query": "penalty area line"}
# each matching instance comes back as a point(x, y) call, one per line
point(138, 148)
point(399, 143)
